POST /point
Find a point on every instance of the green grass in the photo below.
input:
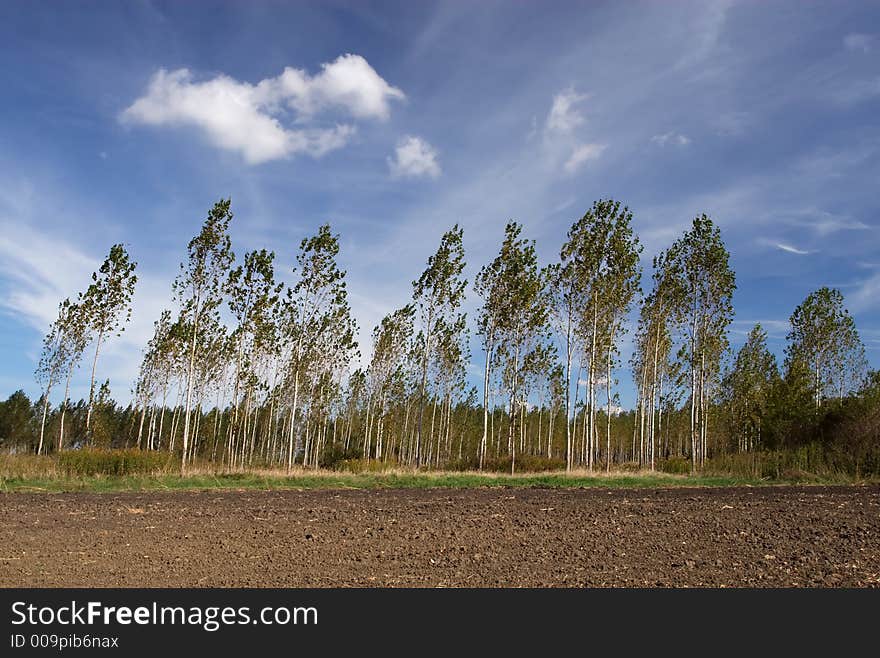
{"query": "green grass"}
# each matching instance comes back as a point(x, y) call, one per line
point(389, 480)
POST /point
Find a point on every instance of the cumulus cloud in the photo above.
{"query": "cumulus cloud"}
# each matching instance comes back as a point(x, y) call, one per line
point(250, 119)
point(414, 158)
point(859, 42)
point(673, 138)
point(582, 154)
point(564, 116)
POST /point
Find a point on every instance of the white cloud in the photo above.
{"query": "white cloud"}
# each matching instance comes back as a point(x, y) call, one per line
point(564, 116)
point(581, 154)
point(859, 42)
point(866, 295)
point(414, 158)
point(671, 137)
point(349, 83)
point(792, 250)
point(40, 271)
point(782, 246)
point(246, 118)
point(825, 223)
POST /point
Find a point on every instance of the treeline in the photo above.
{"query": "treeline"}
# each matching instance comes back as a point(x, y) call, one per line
point(249, 371)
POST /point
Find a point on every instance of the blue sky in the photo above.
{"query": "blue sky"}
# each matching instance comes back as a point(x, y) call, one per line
point(124, 122)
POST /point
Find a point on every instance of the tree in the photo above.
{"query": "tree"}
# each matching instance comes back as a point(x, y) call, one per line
point(748, 388)
point(319, 332)
point(391, 342)
point(437, 294)
point(198, 289)
point(701, 263)
point(823, 337)
point(252, 296)
point(515, 286)
point(618, 287)
point(108, 304)
point(651, 359)
point(75, 337)
point(17, 421)
point(489, 285)
point(51, 360)
point(594, 285)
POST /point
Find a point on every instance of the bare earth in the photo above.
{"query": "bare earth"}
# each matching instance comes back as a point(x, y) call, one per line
point(773, 536)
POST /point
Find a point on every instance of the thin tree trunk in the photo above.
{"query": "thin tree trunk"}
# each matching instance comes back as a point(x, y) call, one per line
point(92, 382)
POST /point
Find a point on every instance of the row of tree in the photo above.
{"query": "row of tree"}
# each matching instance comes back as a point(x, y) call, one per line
point(250, 371)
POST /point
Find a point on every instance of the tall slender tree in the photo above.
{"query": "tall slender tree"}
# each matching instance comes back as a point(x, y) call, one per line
point(108, 304)
point(319, 332)
point(52, 360)
point(252, 294)
point(619, 286)
point(520, 295)
point(199, 290)
point(438, 294)
point(702, 264)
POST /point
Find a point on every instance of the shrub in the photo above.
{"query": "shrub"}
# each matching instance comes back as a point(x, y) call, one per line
point(675, 465)
point(334, 455)
point(524, 464)
point(88, 461)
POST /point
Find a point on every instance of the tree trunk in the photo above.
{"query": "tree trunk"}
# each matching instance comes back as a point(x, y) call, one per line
point(64, 408)
point(92, 384)
point(485, 406)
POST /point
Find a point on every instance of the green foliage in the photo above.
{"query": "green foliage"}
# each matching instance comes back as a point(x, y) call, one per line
point(90, 462)
point(17, 422)
point(824, 340)
point(525, 463)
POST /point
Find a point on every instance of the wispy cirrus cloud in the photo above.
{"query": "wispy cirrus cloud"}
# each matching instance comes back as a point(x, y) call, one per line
point(859, 42)
point(866, 294)
point(784, 246)
point(825, 223)
point(582, 154)
point(563, 120)
point(671, 138)
point(253, 119)
point(565, 114)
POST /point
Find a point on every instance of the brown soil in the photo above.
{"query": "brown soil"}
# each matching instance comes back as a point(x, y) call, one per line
point(779, 536)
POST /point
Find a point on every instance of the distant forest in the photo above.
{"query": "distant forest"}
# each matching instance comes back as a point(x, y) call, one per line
point(248, 372)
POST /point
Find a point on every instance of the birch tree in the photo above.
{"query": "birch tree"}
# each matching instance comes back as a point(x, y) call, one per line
point(198, 289)
point(52, 360)
point(707, 281)
point(620, 286)
point(391, 344)
point(76, 338)
point(252, 294)
point(437, 294)
point(108, 304)
point(522, 304)
point(318, 328)
point(823, 337)
point(652, 367)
